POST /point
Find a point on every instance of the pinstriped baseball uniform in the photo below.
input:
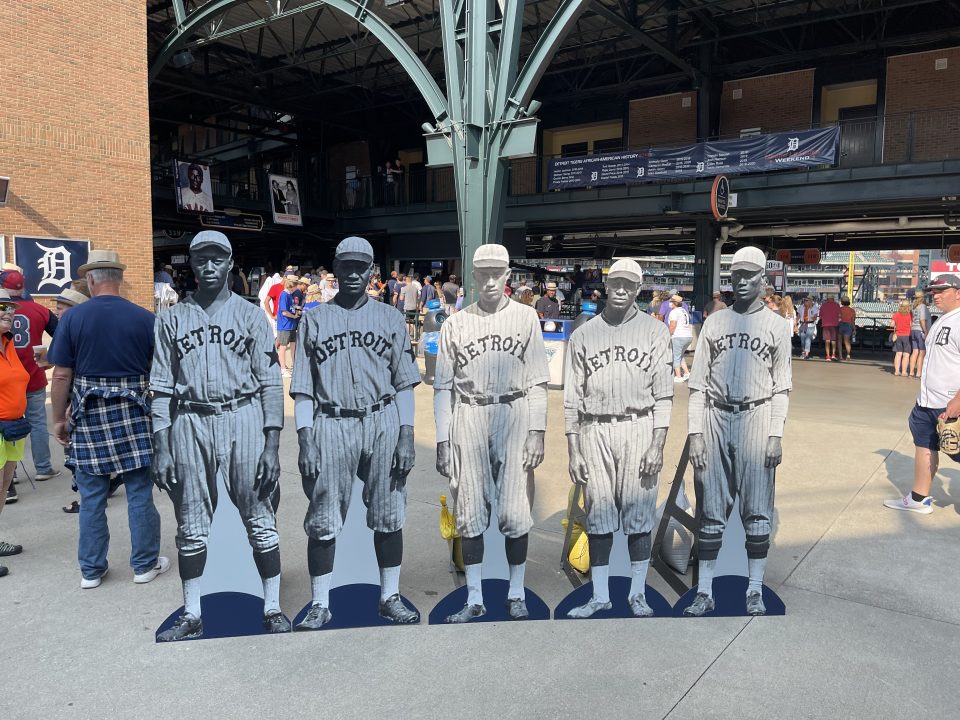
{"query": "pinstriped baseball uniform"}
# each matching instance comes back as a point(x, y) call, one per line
point(201, 358)
point(617, 370)
point(740, 358)
point(483, 354)
point(354, 359)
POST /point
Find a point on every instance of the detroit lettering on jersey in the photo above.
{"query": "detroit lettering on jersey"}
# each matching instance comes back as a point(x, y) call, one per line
point(326, 348)
point(511, 345)
point(617, 354)
point(213, 335)
point(742, 341)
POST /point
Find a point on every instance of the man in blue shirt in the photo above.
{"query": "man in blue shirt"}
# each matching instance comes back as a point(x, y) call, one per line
point(102, 357)
point(288, 317)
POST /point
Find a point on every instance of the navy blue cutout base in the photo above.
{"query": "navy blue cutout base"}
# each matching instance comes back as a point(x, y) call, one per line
point(619, 590)
point(355, 606)
point(729, 594)
point(494, 599)
point(226, 614)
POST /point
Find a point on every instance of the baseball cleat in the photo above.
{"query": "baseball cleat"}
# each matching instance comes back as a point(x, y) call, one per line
point(317, 616)
point(755, 604)
point(276, 623)
point(701, 605)
point(186, 627)
point(4, 570)
point(590, 607)
point(924, 507)
point(468, 613)
point(394, 610)
point(639, 607)
point(7, 549)
point(517, 609)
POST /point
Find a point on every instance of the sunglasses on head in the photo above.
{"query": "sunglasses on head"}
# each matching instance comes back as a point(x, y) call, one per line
point(7, 307)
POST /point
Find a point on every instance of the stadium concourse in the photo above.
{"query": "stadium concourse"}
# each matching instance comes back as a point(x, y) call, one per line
point(865, 629)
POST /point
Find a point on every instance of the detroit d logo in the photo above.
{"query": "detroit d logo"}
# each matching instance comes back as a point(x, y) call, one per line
point(943, 337)
point(793, 143)
point(55, 266)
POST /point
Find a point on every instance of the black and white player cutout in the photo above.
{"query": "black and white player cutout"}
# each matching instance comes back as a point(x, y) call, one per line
point(352, 384)
point(739, 395)
point(617, 400)
point(217, 415)
point(490, 402)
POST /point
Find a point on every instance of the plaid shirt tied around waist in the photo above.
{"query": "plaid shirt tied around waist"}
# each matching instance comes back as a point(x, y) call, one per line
point(112, 432)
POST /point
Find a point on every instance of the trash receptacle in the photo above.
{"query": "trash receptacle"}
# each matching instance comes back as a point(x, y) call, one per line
point(430, 340)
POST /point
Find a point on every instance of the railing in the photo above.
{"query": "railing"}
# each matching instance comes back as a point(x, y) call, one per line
point(921, 136)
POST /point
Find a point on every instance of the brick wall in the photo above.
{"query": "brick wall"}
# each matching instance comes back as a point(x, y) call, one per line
point(922, 107)
point(783, 101)
point(662, 120)
point(74, 129)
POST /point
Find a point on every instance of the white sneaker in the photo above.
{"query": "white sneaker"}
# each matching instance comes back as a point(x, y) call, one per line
point(924, 507)
point(161, 567)
point(86, 584)
point(47, 476)
point(678, 379)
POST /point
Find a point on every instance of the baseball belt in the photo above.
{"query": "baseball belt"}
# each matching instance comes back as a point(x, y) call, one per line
point(203, 408)
point(736, 407)
point(482, 400)
point(626, 417)
point(341, 412)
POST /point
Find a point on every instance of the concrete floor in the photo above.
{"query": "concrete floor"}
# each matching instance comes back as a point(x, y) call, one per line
point(872, 619)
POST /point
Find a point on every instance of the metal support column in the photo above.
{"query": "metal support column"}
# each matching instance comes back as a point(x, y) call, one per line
point(703, 262)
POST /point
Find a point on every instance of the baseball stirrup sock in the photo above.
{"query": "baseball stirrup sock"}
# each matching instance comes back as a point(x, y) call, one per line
point(268, 563)
point(710, 544)
point(271, 594)
point(705, 583)
point(389, 581)
point(757, 546)
point(320, 589)
point(191, 597)
point(756, 568)
point(638, 577)
point(516, 549)
point(516, 582)
point(191, 566)
point(474, 574)
point(388, 547)
point(600, 577)
point(320, 556)
point(639, 546)
point(472, 549)
point(600, 546)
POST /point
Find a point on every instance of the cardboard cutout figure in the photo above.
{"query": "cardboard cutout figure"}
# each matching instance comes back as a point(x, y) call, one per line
point(739, 395)
point(353, 381)
point(217, 411)
point(490, 400)
point(617, 401)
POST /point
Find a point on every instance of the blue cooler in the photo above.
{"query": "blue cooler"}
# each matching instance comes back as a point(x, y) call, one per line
point(430, 339)
point(555, 336)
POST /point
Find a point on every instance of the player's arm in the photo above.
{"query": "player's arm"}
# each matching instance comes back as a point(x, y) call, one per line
point(572, 401)
point(696, 403)
point(443, 396)
point(302, 391)
point(537, 374)
point(163, 372)
point(662, 390)
point(781, 370)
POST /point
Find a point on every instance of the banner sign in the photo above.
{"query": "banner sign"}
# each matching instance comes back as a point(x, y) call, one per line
point(49, 264)
point(285, 200)
point(762, 153)
point(938, 268)
point(194, 190)
point(235, 220)
point(799, 256)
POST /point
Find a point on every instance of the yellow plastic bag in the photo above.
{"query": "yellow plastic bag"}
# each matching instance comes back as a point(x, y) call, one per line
point(579, 555)
point(448, 526)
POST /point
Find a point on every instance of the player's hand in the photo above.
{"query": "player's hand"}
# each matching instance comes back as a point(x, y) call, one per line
point(61, 432)
point(268, 466)
point(309, 459)
point(403, 458)
point(774, 452)
point(162, 470)
point(579, 473)
point(952, 410)
point(443, 458)
point(698, 451)
point(652, 461)
point(533, 450)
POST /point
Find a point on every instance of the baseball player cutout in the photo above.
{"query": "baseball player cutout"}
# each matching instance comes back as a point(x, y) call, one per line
point(218, 411)
point(490, 402)
point(739, 395)
point(353, 381)
point(617, 400)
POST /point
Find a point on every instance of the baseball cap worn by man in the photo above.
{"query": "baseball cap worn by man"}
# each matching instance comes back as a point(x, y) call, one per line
point(101, 260)
point(211, 238)
point(629, 269)
point(354, 248)
point(551, 286)
point(943, 282)
point(12, 280)
point(491, 256)
point(748, 258)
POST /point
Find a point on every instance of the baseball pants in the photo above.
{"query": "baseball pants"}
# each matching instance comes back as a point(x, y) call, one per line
point(353, 448)
point(206, 447)
point(487, 457)
point(612, 452)
point(736, 444)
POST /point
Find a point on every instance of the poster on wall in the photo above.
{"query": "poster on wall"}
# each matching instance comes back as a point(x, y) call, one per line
point(194, 190)
point(49, 264)
point(285, 200)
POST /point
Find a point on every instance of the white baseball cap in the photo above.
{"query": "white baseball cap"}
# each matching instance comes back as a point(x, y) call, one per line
point(491, 255)
point(354, 248)
point(629, 269)
point(208, 238)
point(749, 258)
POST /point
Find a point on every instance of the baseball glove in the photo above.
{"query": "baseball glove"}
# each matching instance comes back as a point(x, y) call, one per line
point(949, 432)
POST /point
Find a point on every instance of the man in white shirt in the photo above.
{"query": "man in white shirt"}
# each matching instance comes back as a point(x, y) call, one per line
point(268, 282)
point(939, 396)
